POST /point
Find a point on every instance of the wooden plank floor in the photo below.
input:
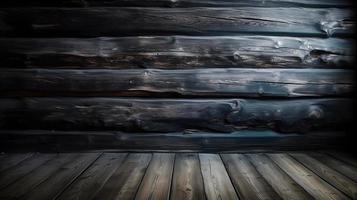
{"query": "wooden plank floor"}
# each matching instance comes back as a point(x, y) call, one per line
point(156, 176)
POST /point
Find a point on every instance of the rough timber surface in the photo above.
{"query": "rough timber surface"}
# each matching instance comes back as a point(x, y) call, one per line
point(104, 21)
point(179, 3)
point(176, 52)
point(191, 176)
point(195, 82)
point(167, 115)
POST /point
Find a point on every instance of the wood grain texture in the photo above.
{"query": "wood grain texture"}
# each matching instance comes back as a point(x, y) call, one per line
point(25, 184)
point(346, 157)
point(125, 181)
point(165, 115)
point(178, 3)
point(286, 187)
point(313, 184)
point(64, 141)
point(64, 22)
point(195, 177)
point(246, 179)
point(52, 187)
point(92, 180)
point(176, 52)
point(187, 183)
point(11, 175)
point(216, 180)
point(157, 180)
point(342, 167)
point(11, 160)
point(334, 178)
point(194, 82)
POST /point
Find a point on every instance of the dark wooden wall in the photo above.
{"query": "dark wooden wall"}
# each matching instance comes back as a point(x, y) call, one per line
point(175, 74)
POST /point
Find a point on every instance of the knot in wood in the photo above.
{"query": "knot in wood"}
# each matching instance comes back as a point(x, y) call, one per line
point(315, 112)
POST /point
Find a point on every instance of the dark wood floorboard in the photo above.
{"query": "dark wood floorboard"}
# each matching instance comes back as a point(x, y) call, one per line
point(246, 179)
point(125, 181)
point(157, 180)
point(282, 183)
point(12, 174)
point(9, 160)
point(312, 183)
point(93, 179)
point(339, 181)
point(338, 165)
point(187, 183)
point(178, 176)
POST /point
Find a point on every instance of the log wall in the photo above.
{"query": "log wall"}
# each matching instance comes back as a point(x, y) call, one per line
point(185, 74)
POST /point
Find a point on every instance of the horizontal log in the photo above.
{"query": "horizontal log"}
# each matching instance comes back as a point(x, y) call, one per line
point(60, 141)
point(197, 82)
point(175, 52)
point(165, 115)
point(178, 3)
point(93, 22)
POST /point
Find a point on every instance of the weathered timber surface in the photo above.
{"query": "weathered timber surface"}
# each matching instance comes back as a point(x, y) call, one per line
point(187, 181)
point(124, 182)
point(156, 183)
point(92, 180)
point(165, 115)
point(9, 161)
point(246, 179)
point(339, 181)
point(92, 22)
point(194, 82)
point(62, 178)
point(178, 3)
point(342, 167)
point(15, 173)
point(312, 183)
point(176, 52)
point(282, 183)
point(64, 141)
point(118, 176)
point(215, 177)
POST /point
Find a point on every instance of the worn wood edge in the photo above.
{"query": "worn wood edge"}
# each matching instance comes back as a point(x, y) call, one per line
point(61, 141)
point(177, 3)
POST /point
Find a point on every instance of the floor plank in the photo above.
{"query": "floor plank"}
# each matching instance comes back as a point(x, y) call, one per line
point(313, 184)
point(157, 180)
point(247, 181)
point(90, 182)
point(330, 175)
point(338, 165)
point(125, 181)
point(12, 174)
point(178, 176)
point(345, 157)
point(215, 178)
point(278, 179)
point(62, 178)
point(11, 160)
point(36, 177)
point(187, 183)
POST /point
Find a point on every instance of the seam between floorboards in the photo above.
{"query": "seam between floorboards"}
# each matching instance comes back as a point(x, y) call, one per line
point(319, 175)
point(230, 178)
point(142, 178)
point(283, 171)
point(203, 181)
point(172, 177)
point(76, 177)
